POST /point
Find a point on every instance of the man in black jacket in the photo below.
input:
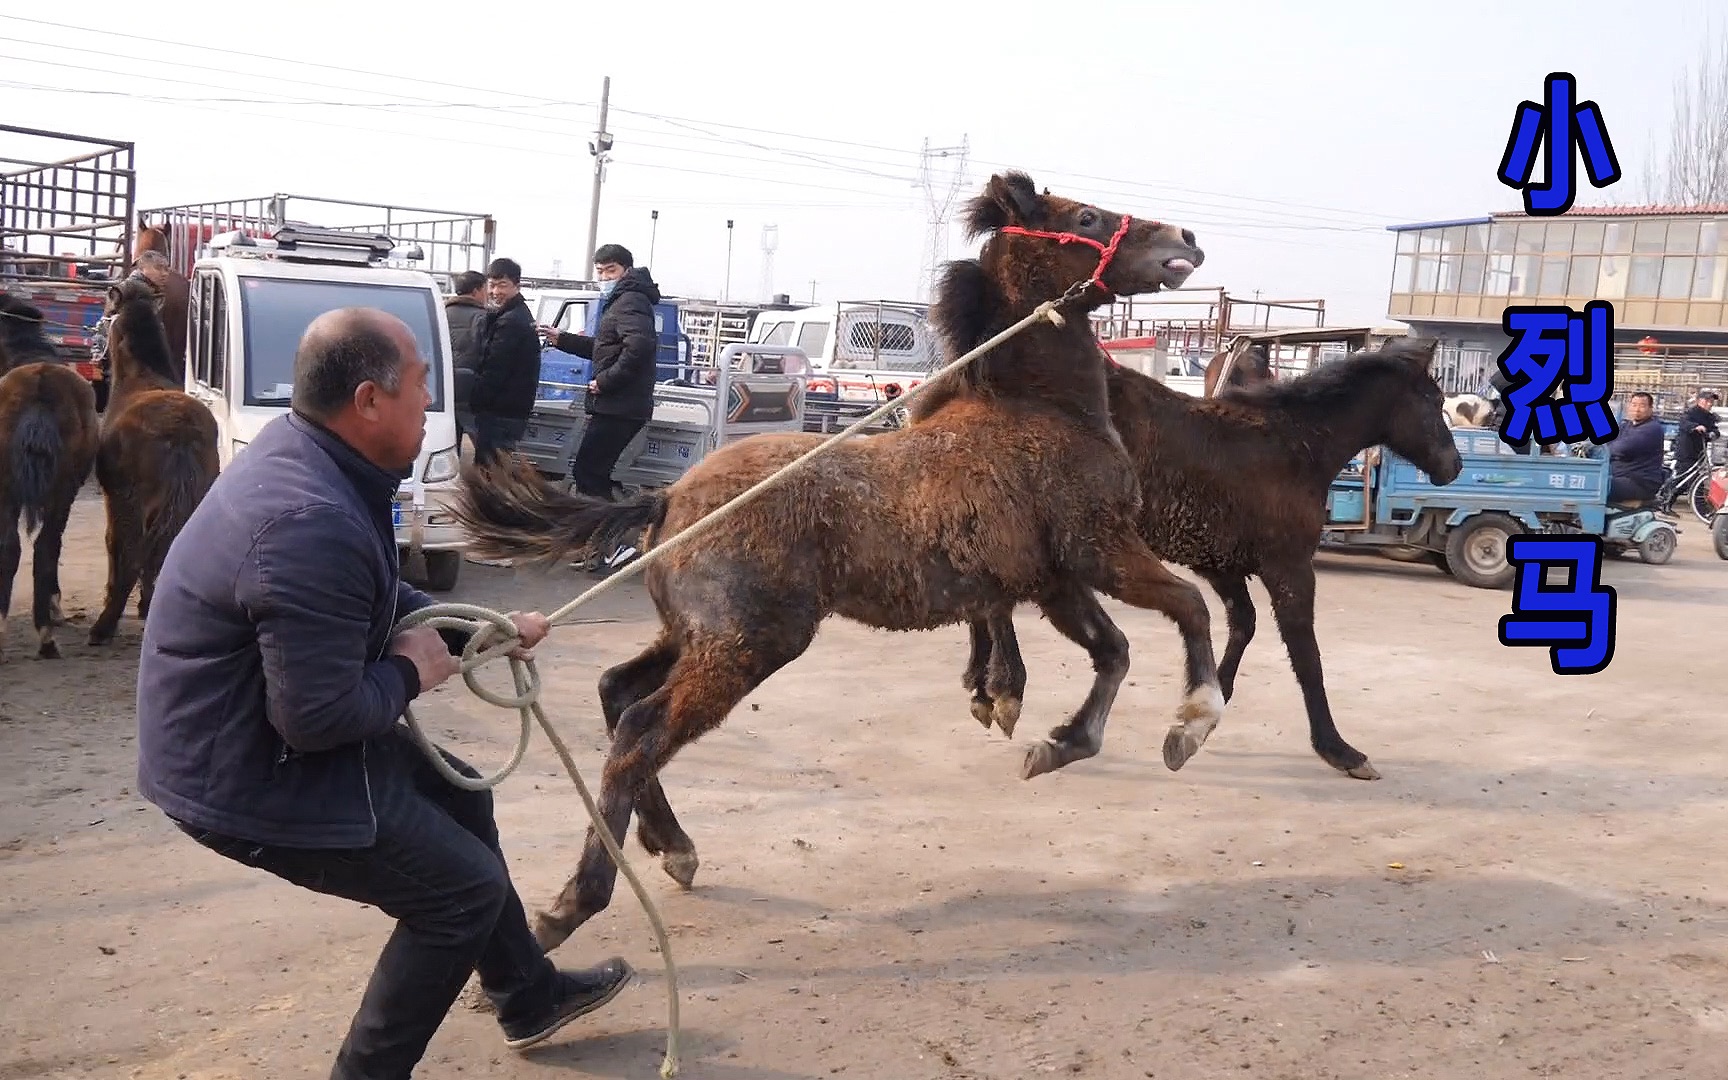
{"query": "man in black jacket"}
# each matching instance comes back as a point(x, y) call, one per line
point(1694, 429)
point(1635, 465)
point(269, 690)
point(624, 349)
point(465, 311)
point(507, 377)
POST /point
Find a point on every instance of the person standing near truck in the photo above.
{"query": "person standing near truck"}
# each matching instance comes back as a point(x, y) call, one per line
point(507, 374)
point(465, 311)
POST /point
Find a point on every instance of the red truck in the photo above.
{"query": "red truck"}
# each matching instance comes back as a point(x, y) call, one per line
point(66, 221)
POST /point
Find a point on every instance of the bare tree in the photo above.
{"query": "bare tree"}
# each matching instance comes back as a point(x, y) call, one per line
point(1694, 167)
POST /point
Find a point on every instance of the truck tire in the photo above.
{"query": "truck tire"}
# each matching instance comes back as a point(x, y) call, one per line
point(1476, 551)
point(442, 570)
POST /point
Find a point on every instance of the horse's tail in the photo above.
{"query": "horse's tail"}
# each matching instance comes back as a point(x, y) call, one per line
point(184, 479)
point(510, 512)
point(37, 449)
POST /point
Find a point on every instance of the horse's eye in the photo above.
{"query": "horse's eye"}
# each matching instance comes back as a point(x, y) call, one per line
point(1088, 218)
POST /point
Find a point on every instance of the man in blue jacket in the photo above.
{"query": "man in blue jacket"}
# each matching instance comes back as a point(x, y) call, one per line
point(1635, 455)
point(270, 687)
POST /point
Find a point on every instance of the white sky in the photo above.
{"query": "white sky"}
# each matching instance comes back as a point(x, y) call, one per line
point(1287, 135)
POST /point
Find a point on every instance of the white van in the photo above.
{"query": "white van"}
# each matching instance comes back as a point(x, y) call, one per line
point(252, 299)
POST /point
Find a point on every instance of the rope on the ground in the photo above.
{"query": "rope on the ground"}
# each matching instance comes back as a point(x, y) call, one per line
point(487, 626)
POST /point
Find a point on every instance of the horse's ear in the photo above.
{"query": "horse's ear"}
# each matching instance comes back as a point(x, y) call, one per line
point(1421, 353)
point(114, 294)
point(1008, 199)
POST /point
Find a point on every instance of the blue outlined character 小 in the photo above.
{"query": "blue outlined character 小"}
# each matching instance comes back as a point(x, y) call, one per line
point(1563, 125)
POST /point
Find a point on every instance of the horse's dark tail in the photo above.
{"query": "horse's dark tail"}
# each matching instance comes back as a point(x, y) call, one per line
point(37, 448)
point(510, 512)
point(180, 488)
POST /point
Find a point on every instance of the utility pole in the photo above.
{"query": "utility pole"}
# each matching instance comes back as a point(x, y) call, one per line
point(812, 290)
point(653, 233)
point(726, 294)
point(601, 148)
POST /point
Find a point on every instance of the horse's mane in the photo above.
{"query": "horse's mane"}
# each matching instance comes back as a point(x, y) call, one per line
point(23, 337)
point(1333, 383)
point(137, 323)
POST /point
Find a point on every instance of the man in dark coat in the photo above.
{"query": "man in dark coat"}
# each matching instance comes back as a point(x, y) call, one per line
point(1635, 455)
point(625, 348)
point(465, 311)
point(269, 692)
point(507, 376)
point(1695, 428)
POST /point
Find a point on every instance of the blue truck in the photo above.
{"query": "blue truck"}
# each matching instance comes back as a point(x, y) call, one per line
point(1383, 501)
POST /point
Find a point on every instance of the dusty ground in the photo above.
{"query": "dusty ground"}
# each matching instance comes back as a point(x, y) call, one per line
point(881, 896)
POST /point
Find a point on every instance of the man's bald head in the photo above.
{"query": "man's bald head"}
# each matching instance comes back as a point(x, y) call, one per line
point(343, 349)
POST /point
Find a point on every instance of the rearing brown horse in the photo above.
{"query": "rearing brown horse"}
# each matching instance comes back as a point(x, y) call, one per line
point(1014, 487)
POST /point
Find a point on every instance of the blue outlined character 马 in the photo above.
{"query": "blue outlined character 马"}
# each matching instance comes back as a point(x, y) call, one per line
point(1563, 125)
point(1576, 621)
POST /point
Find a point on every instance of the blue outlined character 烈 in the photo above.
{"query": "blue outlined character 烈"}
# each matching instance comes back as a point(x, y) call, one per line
point(1563, 125)
point(1551, 347)
point(1575, 621)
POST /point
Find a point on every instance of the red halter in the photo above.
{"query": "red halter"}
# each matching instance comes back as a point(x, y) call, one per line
point(1106, 251)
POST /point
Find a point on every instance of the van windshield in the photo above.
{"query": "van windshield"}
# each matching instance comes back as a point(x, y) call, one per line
point(276, 311)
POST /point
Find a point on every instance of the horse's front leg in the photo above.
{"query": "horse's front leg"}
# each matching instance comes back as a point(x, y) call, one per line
point(1291, 588)
point(45, 573)
point(1240, 619)
point(1076, 614)
point(1130, 572)
point(994, 672)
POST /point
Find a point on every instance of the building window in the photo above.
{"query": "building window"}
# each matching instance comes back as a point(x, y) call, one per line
point(1649, 238)
point(1403, 267)
point(1646, 277)
point(1427, 273)
point(1618, 239)
point(1407, 242)
point(1682, 237)
point(1587, 239)
point(1583, 280)
point(1611, 281)
point(1475, 238)
point(1470, 274)
point(1704, 284)
point(1553, 280)
point(1499, 276)
point(1448, 273)
point(1558, 240)
point(1676, 277)
point(1428, 240)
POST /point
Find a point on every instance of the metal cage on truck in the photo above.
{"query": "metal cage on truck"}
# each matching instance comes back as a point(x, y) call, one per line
point(451, 241)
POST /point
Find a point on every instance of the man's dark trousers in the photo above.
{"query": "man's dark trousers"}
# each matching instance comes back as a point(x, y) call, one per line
point(603, 442)
point(438, 869)
point(494, 434)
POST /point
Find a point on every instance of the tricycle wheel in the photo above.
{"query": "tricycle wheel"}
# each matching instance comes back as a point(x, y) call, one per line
point(1438, 558)
point(1476, 551)
point(1658, 547)
point(1719, 533)
point(442, 570)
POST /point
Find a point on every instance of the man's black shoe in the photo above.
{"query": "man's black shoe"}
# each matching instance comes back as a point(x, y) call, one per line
point(579, 993)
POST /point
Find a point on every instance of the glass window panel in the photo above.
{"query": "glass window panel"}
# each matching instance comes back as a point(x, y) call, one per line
point(1611, 280)
point(1500, 237)
point(1558, 240)
point(1427, 273)
point(1618, 240)
point(1646, 277)
point(1524, 268)
point(1449, 273)
point(1402, 268)
point(1553, 279)
point(1587, 238)
point(1676, 277)
point(1406, 241)
point(1452, 239)
point(1475, 238)
point(1682, 237)
point(1582, 281)
point(1704, 278)
point(1499, 276)
point(1471, 273)
point(1709, 236)
point(1428, 240)
point(1530, 234)
point(1649, 237)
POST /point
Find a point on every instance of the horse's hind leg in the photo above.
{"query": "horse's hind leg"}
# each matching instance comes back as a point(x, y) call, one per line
point(1292, 590)
point(123, 570)
point(994, 671)
point(707, 681)
point(1134, 575)
point(1239, 616)
point(657, 828)
point(11, 551)
point(1076, 614)
point(45, 572)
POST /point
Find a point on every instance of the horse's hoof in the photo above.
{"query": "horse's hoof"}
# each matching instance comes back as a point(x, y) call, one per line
point(681, 866)
point(1179, 745)
point(982, 711)
point(1040, 759)
point(48, 651)
point(1363, 771)
point(1007, 714)
point(100, 637)
point(551, 932)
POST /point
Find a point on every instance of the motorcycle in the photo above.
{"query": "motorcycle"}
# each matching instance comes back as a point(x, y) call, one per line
point(1718, 496)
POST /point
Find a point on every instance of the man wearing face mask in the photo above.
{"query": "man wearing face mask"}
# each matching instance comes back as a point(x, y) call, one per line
point(624, 349)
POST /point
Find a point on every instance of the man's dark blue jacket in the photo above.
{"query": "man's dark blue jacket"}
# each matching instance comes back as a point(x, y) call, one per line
point(264, 675)
point(1636, 453)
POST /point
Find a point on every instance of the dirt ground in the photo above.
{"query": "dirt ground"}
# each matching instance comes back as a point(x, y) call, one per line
point(1535, 888)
